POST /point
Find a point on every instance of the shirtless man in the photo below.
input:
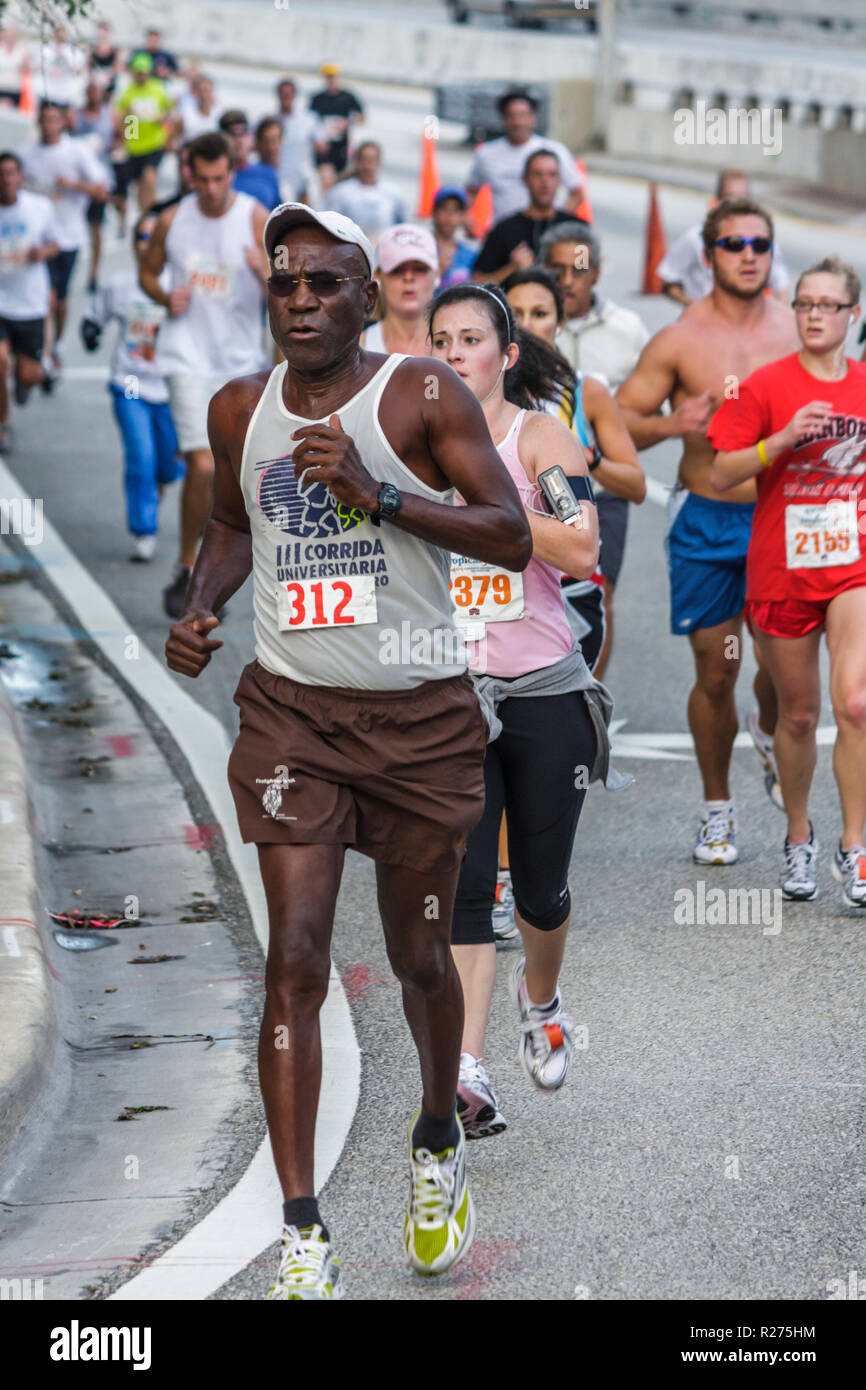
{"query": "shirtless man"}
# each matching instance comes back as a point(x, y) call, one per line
point(342, 744)
point(696, 363)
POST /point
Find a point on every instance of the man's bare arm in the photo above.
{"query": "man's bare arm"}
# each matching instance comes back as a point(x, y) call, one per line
point(255, 254)
point(651, 383)
point(95, 191)
point(46, 252)
point(620, 470)
point(225, 558)
point(643, 393)
point(153, 261)
point(492, 526)
point(481, 277)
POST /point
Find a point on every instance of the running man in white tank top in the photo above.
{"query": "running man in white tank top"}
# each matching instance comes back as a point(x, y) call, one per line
point(360, 728)
point(211, 243)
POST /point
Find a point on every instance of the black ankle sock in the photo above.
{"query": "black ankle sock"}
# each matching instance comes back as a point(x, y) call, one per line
point(303, 1212)
point(435, 1133)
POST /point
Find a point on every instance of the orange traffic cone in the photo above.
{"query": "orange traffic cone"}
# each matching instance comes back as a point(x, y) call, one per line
point(479, 219)
point(655, 245)
point(27, 102)
point(583, 211)
point(429, 180)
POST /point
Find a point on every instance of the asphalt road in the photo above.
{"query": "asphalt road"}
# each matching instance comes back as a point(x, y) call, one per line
point(707, 1144)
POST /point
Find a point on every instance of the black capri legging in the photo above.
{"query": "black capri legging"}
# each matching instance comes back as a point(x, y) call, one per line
point(547, 745)
point(586, 619)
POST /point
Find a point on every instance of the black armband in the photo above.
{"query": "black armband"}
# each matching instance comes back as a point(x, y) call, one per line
point(581, 486)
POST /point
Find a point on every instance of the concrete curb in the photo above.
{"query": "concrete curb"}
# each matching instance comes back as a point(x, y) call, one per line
point(29, 1031)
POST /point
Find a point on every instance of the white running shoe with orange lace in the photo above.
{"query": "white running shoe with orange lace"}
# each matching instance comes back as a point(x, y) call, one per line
point(506, 933)
point(849, 869)
point(546, 1042)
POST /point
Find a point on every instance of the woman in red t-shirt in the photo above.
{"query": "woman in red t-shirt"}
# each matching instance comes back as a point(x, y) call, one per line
point(799, 427)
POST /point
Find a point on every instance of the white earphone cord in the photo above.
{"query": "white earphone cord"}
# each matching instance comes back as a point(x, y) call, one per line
point(496, 382)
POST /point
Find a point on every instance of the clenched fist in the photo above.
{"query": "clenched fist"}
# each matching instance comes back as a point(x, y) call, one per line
point(327, 455)
point(189, 649)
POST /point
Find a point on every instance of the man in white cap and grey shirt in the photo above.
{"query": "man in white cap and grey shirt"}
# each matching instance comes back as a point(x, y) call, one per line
point(365, 198)
point(335, 481)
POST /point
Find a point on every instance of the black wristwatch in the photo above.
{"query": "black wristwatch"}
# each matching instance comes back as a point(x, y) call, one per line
point(390, 501)
point(596, 459)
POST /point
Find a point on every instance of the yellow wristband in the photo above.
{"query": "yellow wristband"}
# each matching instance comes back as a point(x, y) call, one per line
point(762, 454)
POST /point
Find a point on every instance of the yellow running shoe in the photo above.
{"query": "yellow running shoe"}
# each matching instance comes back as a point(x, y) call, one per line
point(309, 1269)
point(440, 1222)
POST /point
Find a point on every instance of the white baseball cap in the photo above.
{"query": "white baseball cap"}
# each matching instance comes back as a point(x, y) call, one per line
point(297, 214)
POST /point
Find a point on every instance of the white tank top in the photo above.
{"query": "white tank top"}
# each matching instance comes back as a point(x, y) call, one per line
point(373, 338)
point(338, 601)
point(221, 333)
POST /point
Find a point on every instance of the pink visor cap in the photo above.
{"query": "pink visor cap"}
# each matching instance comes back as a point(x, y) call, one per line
point(406, 242)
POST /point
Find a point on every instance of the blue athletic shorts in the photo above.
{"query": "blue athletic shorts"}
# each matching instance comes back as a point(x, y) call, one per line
point(706, 545)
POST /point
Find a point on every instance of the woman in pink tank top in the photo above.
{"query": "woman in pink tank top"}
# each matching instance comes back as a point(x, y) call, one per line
point(524, 657)
point(543, 635)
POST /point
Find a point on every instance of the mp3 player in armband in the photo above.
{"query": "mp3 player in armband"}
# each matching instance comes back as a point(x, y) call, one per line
point(564, 493)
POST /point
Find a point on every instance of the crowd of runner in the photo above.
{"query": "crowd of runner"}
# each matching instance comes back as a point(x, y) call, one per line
point(492, 510)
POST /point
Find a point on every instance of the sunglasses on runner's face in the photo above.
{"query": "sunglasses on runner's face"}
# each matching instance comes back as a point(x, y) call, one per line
point(323, 283)
point(759, 244)
point(824, 306)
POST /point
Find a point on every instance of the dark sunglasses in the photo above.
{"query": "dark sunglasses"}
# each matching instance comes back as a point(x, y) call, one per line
point(142, 236)
point(323, 283)
point(759, 244)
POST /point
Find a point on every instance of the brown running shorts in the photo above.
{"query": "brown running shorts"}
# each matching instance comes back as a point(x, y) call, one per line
point(397, 775)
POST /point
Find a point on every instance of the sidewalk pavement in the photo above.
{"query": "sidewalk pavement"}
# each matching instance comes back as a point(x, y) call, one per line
point(28, 1019)
point(152, 1020)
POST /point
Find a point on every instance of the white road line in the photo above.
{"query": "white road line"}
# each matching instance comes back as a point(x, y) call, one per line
point(97, 372)
point(664, 746)
point(247, 1219)
point(10, 941)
